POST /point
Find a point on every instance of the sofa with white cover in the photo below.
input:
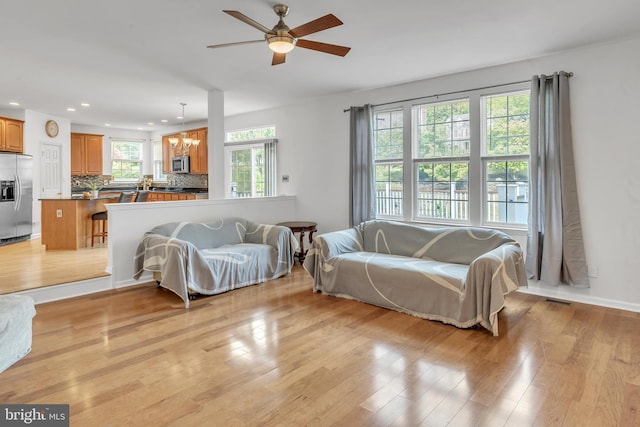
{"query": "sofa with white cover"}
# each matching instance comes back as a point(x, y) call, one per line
point(456, 275)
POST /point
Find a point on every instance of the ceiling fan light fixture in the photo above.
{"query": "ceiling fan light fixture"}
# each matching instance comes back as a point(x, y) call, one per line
point(281, 44)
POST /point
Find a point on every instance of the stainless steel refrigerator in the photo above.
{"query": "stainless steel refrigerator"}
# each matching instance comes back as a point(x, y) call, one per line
point(16, 197)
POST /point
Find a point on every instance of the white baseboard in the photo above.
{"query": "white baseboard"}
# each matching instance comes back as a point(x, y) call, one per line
point(580, 295)
point(83, 287)
point(68, 290)
point(146, 277)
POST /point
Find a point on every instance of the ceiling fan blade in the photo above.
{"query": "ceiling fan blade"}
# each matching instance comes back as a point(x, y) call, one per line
point(244, 18)
point(333, 49)
point(278, 58)
point(215, 46)
point(323, 23)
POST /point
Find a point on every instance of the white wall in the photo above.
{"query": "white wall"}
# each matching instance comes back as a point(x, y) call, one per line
point(34, 135)
point(605, 89)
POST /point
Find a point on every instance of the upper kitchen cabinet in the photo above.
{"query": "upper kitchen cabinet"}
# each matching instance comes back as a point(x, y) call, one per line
point(11, 135)
point(167, 153)
point(86, 154)
point(198, 163)
point(198, 155)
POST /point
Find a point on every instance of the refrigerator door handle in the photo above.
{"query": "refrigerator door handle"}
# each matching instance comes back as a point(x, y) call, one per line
point(18, 194)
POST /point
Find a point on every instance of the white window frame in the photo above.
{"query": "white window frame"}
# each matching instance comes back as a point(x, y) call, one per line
point(395, 161)
point(477, 159)
point(228, 150)
point(157, 162)
point(141, 161)
point(233, 144)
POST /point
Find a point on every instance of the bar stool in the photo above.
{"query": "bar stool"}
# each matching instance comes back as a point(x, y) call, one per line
point(100, 219)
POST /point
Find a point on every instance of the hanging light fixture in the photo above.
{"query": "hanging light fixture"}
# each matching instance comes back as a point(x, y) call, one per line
point(186, 142)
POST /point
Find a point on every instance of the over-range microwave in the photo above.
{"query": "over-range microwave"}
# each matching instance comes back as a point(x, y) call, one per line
point(180, 164)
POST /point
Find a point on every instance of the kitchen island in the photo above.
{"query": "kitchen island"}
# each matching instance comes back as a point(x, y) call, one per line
point(66, 221)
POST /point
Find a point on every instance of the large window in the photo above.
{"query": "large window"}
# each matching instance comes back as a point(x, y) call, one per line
point(463, 160)
point(126, 160)
point(388, 135)
point(441, 142)
point(250, 162)
point(506, 162)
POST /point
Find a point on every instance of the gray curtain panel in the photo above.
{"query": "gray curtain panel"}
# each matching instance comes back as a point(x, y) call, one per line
point(555, 248)
point(361, 172)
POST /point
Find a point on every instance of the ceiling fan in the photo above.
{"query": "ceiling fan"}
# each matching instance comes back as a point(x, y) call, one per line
point(282, 40)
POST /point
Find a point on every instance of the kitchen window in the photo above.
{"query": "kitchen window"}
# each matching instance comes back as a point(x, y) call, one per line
point(457, 159)
point(126, 160)
point(250, 162)
point(158, 174)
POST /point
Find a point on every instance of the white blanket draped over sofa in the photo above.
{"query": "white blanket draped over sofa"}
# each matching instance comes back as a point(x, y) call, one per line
point(456, 275)
point(215, 257)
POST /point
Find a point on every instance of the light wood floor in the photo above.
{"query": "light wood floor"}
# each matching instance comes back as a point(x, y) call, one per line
point(27, 265)
point(278, 354)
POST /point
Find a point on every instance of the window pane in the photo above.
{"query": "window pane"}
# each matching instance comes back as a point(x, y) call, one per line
point(126, 170)
point(507, 192)
point(251, 134)
point(507, 124)
point(126, 160)
point(258, 172)
point(241, 173)
point(158, 175)
point(126, 150)
point(247, 170)
point(389, 188)
point(442, 130)
point(388, 135)
point(443, 190)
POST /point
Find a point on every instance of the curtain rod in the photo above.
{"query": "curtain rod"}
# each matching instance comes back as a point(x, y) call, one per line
point(568, 74)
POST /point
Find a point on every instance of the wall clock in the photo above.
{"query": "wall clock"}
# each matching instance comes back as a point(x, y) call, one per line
point(51, 127)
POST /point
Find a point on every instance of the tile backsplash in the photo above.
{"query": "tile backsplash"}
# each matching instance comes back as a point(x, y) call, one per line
point(173, 180)
point(188, 180)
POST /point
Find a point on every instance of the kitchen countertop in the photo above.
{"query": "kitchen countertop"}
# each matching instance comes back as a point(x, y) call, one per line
point(172, 189)
point(80, 198)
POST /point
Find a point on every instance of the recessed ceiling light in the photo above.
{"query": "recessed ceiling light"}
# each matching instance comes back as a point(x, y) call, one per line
point(164, 120)
point(107, 124)
point(179, 117)
point(85, 104)
point(150, 123)
point(71, 109)
point(14, 103)
point(140, 129)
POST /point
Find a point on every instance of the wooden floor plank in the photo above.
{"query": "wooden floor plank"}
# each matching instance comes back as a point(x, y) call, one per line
point(27, 265)
point(278, 354)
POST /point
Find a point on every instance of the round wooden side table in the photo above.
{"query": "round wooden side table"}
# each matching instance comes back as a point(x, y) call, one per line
point(301, 227)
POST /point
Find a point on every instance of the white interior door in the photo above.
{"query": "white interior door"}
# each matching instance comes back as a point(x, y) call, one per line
point(50, 170)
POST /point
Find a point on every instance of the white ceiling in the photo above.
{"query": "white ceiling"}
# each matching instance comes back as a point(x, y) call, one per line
point(134, 61)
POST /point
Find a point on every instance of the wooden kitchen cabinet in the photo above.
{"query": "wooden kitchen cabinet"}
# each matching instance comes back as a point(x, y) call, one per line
point(198, 163)
point(11, 135)
point(167, 154)
point(159, 196)
point(86, 154)
point(198, 155)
